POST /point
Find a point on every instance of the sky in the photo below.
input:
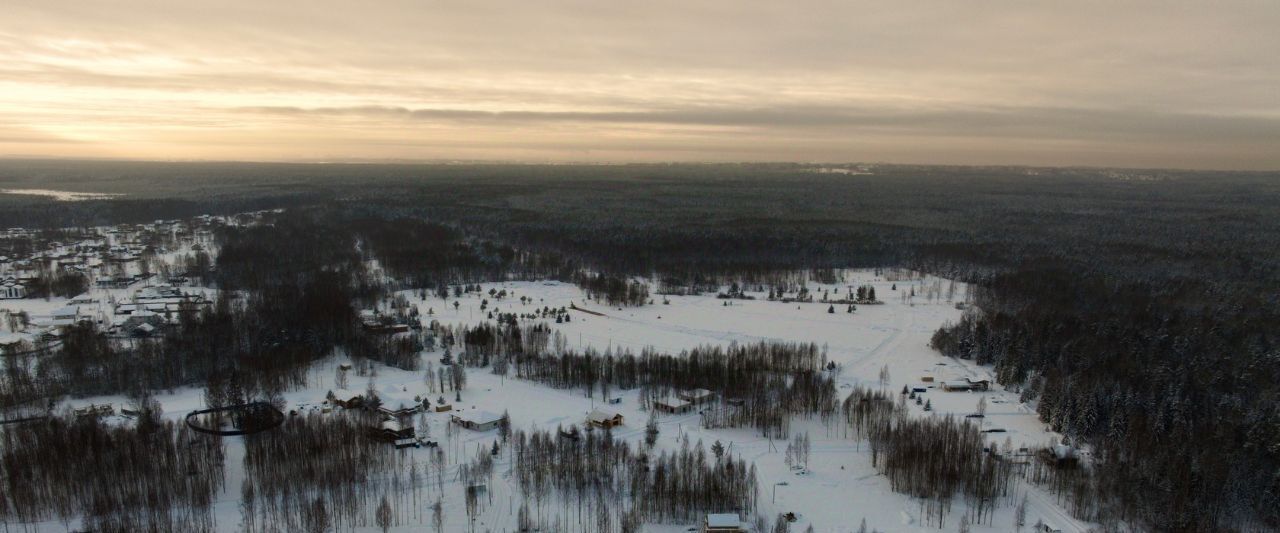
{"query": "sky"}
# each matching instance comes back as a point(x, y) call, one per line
point(1169, 83)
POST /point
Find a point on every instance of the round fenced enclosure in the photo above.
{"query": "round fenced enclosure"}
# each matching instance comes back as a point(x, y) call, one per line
point(234, 420)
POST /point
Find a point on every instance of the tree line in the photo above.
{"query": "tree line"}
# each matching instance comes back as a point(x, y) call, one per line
point(154, 476)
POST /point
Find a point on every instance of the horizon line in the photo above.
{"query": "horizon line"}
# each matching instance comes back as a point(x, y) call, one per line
point(586, 163)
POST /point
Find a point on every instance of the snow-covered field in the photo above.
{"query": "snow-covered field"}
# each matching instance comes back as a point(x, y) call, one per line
point(840, 489)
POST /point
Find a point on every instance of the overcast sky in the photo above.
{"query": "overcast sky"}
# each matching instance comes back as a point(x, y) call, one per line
point(1110, 83)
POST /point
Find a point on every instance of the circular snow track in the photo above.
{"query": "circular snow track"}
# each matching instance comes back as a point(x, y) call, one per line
point(251, 417)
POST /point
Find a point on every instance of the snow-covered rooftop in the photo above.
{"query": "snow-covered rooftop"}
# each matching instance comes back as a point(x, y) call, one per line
point(723, 520)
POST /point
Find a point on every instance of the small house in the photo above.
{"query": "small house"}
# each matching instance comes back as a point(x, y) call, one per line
point(966, 384)
point(722, 523)
point(697, 396)
point(604, 419)
point(443, 408)
point(12, 289)
point(95, 411)
point(348, 400)
point(672, 405)
point(979, 384)
point(1060, 455)
point(401, 411)
point(392, 431)
point(477, 420)
point(143, 330)
point(65, 315)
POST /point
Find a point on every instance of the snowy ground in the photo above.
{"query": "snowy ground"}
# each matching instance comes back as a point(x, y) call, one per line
point(841, 489)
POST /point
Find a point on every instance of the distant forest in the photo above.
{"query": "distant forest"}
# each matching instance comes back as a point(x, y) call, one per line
point(1139, 307)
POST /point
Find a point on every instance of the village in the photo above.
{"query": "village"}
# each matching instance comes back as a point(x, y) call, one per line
point(126, 281)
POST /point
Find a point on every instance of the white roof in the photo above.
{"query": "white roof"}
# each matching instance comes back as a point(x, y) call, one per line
point(477, 417)
point(723, 520)
point(600, 415)
point(672, 401)
point(65, 310)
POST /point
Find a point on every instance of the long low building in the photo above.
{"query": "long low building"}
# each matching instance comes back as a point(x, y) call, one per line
point(477, 420)
point(966, 384)
point(672, 405)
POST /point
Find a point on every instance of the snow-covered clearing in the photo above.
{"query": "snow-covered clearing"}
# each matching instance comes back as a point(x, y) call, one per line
point(840, 489)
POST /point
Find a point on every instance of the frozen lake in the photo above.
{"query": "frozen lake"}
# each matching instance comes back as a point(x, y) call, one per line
point(63, 196)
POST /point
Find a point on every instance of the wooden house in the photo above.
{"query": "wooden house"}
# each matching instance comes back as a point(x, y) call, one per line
point(604, 419)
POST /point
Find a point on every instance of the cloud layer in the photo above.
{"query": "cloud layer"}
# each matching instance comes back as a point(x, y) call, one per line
point(1165, 84)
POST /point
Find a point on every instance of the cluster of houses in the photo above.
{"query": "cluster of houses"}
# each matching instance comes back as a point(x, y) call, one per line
point(112, 257)
point(149, 310)
point(167, 302)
